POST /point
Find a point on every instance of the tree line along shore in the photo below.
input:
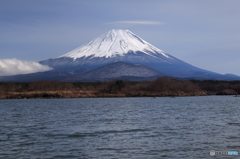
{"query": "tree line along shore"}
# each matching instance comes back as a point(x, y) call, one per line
point(160, 87)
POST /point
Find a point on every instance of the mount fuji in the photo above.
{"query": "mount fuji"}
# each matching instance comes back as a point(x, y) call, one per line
point(124, 46)
point(114, 46)
point(118, 54)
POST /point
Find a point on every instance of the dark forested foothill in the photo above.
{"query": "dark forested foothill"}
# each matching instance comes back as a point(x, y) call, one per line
point(163, 86)
point(216, 87)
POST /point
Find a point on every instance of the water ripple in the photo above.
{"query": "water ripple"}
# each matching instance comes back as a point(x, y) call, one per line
point(186, 127)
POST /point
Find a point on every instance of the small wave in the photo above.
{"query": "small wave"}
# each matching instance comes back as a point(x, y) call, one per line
point(122, 131)
point(156, 135)
point(76, 135)
point(65, 156)
point(236, 147)
point(233, 137)
point(113, 149)
point(55, 135)
point(234, 124)
point(5, 137)
point(26, 143)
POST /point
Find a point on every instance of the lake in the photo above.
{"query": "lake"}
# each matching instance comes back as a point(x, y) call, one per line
point(86, 128)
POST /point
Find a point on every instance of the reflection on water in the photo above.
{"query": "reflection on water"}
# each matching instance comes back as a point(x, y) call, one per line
point(183, 127)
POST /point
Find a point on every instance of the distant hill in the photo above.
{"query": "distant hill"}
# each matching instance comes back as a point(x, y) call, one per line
point(48, 75)
point(118, 70)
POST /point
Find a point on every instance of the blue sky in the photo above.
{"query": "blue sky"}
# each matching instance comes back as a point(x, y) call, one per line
point(204, 33)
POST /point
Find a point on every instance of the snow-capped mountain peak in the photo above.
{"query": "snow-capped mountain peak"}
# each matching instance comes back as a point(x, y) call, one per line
point(116, 42)
point(124, 46)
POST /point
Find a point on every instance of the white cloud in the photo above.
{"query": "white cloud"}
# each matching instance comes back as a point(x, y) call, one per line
point(137, 22)
point(14, 67)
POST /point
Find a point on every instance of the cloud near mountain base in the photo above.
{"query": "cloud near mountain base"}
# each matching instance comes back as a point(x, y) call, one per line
point(10, 67)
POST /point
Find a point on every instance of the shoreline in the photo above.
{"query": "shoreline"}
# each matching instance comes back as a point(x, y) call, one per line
point(95, 94)
point(161, 87)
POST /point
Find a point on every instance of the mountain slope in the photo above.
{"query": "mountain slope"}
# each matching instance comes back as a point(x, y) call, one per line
point(118, 70)
point(48, 75)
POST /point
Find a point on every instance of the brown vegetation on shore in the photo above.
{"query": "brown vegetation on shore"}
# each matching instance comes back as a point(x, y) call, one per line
point(163, 86)
point(216, 87)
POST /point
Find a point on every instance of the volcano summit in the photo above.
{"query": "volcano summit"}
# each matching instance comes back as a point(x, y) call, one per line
point(124, 46)
point(115, 43)
point(114, 46)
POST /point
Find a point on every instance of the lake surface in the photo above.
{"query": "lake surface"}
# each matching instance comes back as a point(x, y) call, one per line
point(85, 128)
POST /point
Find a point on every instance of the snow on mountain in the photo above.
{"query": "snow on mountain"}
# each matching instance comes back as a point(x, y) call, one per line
point(114, 43)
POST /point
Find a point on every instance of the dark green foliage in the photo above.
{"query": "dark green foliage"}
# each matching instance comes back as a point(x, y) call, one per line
point(218, 86)
point(24, 86)
point(86, 84)
point(120, 84)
